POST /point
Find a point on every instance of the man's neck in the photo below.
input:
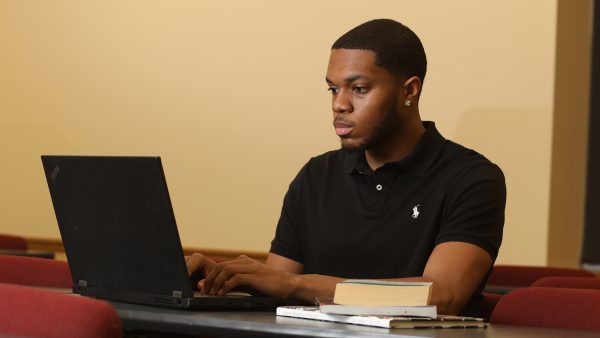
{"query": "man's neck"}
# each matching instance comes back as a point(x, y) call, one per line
point(397, 147)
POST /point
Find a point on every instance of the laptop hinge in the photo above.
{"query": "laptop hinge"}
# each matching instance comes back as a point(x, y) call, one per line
point(177, 294)
point(81, 287)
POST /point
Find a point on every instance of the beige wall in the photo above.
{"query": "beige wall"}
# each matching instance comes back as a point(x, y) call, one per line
point(231, 94)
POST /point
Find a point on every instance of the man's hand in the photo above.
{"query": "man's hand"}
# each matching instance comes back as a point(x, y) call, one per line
point(197, 262)
point(243, 271)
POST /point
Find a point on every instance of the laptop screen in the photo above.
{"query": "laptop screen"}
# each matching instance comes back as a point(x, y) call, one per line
point(117, 223)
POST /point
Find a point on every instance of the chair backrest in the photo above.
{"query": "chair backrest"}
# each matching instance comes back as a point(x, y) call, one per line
point(569, 282)
point(27, 311)
point(35, 271)
point(549, 307)
point(12, 242)
point(516, 275)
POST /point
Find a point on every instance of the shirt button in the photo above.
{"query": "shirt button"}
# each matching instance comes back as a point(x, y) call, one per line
point(379, 187)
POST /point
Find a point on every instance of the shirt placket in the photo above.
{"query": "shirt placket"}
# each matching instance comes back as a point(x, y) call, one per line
point(378, 188)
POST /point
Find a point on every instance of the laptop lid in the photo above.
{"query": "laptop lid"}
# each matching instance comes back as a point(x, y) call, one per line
point(118, 228)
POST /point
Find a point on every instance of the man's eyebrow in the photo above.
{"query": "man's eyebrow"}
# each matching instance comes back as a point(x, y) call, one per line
point(350, 78)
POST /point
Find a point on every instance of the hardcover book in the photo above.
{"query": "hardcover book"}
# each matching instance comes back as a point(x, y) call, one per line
point(366, 292)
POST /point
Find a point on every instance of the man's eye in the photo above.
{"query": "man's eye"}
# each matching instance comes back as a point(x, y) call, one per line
point(333, 90)
point(361, 90)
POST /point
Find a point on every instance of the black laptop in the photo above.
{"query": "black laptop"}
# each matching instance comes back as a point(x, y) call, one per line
point(119, 232)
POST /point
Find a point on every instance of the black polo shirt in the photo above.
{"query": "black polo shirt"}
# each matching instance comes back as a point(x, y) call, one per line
point(340, 218)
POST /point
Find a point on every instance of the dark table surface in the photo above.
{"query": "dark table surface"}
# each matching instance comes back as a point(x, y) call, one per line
point(267, 324)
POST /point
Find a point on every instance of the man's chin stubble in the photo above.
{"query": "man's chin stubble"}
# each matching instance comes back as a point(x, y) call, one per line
point(354, 148)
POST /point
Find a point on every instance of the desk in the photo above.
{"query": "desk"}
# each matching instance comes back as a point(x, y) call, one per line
point(266, 324)
point(28, 253)
point(499, 289)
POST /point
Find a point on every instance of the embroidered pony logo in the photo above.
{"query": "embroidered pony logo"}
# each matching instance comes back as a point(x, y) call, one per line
point(415, 211)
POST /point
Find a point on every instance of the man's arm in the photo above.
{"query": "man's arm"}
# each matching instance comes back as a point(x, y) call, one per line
point(278, 277)
point(455, 268)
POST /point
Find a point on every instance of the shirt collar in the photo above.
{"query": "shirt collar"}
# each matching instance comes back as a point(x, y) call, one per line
point(418, 161)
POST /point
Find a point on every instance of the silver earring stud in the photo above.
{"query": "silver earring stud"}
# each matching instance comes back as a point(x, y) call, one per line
point(407, 103)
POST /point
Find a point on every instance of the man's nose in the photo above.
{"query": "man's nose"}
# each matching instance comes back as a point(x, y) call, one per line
point(341, 103)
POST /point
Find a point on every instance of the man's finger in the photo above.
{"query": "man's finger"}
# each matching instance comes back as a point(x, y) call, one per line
point(197, 261)
point(235, 282)
point(223, 272)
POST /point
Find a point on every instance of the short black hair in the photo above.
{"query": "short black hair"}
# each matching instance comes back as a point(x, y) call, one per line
point(397, 48)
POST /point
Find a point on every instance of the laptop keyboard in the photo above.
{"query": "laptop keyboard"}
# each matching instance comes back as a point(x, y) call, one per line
point(198, 294)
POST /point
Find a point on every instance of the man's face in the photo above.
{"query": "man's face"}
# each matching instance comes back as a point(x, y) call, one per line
point(365, 99)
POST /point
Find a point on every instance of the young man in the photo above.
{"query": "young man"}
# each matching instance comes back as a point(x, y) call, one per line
point(398, 201)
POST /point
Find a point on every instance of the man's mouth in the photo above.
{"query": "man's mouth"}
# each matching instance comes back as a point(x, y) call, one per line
point(342, 128)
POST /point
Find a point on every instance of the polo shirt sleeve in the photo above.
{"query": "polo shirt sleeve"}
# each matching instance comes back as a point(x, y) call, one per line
point(288, 238)
point(474, 210)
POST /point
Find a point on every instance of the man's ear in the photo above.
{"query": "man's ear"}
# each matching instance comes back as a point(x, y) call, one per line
point(412, 89)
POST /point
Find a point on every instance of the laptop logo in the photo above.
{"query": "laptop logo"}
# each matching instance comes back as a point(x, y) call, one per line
point(54, 173)
point(415, 211)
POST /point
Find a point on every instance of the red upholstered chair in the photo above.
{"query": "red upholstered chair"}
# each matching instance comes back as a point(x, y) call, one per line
point(35, 271)
point(549, 307)
point(26, 311)
point(569, 282)
point(12, 242)
point(519, 276)
point(488, 303)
